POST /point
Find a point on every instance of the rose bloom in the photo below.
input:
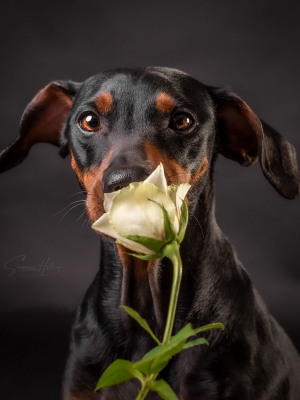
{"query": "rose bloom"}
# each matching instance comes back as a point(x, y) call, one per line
point(129, 211)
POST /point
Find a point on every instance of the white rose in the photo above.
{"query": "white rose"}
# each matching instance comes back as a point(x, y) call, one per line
point(137, 211)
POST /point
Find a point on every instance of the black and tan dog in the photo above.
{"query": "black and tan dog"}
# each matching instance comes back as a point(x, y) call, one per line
point(118, 126)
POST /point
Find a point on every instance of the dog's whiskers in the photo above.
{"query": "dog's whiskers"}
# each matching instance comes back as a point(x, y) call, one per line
point(84, 218)
point(74, 203)
point(66, 210)
point(86, 222)
point(81, 193)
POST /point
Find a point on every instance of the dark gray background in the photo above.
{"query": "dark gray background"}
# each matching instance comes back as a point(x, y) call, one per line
point(251, 46)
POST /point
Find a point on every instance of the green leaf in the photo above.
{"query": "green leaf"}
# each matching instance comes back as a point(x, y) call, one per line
point(183, 222)
point(208, 327)
point(195, 342)
point(135, 315)
point(118, 372)
point(170, 234)
point(159, 364)
point(150, 243)
point(164, 390)
point(184, 333)
point(157, 358)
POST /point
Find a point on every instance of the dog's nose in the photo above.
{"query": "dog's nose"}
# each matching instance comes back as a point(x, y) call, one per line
point(117, 179)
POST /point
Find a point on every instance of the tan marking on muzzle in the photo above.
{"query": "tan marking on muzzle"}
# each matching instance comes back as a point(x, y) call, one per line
point(204, 166)
point(85, 177)
point(174, 172)
point(95, 195)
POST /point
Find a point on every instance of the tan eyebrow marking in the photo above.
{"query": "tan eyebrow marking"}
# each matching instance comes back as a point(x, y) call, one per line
point(164, 103)
point(104, 102)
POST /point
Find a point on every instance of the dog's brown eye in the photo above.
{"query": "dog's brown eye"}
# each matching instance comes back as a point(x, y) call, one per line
point(181, 122)
point(90, 123)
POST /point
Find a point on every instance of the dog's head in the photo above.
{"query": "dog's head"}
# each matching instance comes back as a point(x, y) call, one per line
point(119, 125)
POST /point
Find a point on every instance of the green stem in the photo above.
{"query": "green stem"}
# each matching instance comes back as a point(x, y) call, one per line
point(143, 392)
point(172, 252)
point(145, 389)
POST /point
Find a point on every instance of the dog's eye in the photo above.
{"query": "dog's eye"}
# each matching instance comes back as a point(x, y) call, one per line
point(181, 122)
point(90, 123)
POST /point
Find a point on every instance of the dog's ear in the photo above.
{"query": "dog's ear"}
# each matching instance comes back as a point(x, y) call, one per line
point(278, 161)
point(42, 121)
point(243, 137)
point(239, 129)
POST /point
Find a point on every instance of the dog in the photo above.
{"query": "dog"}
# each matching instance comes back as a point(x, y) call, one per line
point(117, 127)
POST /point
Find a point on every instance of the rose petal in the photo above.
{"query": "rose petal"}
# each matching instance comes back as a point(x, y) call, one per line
point(108, 198)
point(103, 225)
point(139, 216)
point(180, 195)
point(177, 195)
point(158, 179)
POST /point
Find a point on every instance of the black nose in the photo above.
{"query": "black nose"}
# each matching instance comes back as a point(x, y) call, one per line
point(117, 179)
